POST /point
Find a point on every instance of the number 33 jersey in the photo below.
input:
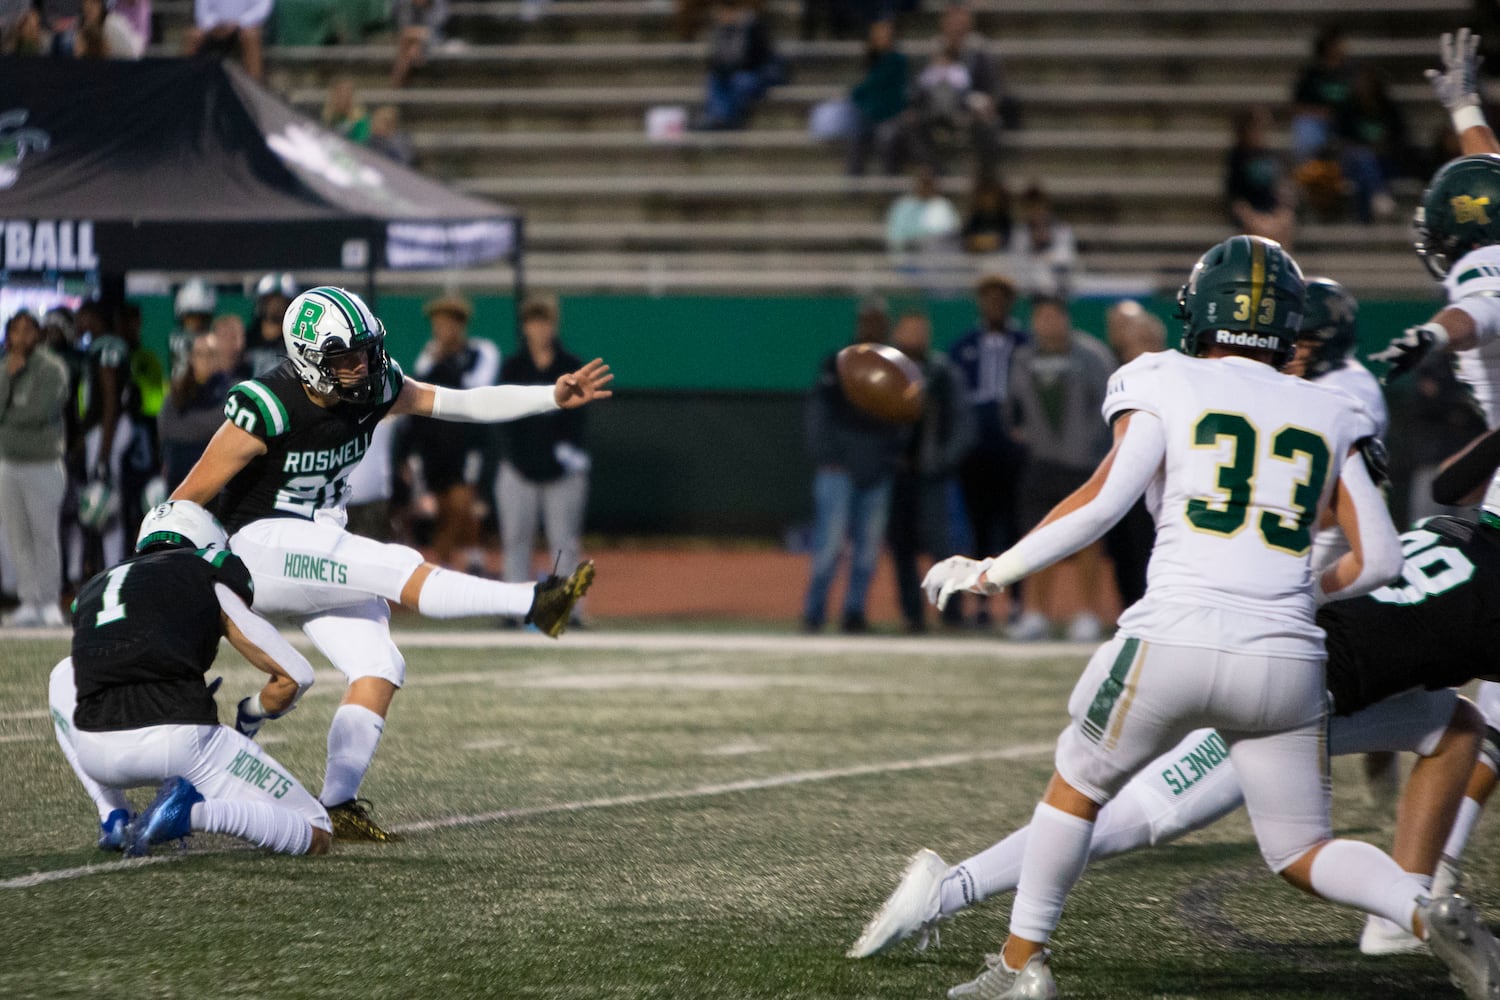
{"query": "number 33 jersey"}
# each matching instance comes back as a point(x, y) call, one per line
point(1252, 458)
point(310, 450)
point(1438, 626)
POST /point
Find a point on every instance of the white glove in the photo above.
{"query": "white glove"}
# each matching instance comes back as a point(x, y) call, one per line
point(1457, 83)
point(1407, 351)
point(954, 574)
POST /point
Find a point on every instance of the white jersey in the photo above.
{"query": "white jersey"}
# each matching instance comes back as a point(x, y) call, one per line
point(1473, 285)
point(1252, 457)
point(1355, 379)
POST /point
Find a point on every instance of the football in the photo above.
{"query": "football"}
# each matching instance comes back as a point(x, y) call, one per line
point(881, 381)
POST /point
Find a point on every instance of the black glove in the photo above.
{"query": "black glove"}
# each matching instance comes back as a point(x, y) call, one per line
point(1407, 351)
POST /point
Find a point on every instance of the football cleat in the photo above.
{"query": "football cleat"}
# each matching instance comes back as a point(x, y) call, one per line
point(112, 830)
point(1448, 879)
point(168, 817)
point(1382, 937)
point(1032, 982)
point(1458, 937)
point(351, 821)
point(556, 596)
point(912, 907)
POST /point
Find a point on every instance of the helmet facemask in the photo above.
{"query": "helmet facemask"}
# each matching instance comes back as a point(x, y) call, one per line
point(328, 330)
point(334, 355)
point(1435, 257)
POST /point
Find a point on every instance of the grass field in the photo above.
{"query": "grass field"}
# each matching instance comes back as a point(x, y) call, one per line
point(709, 818)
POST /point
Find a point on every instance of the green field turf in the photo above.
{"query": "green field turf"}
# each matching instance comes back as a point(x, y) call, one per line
point(689, 823)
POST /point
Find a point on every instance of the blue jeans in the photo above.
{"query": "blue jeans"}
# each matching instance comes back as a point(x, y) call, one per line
point(731, 96)
point(843, 510)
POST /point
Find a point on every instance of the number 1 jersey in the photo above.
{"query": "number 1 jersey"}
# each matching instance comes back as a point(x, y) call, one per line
point(1252, 457)
point(310, 449)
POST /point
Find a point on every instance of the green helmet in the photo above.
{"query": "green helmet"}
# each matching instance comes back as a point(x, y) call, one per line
point(1460, 210)
point(1329, 318)
point(1245, 292)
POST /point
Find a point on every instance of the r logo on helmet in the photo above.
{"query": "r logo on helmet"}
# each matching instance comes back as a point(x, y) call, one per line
point(1467, 209)
point(307, 321)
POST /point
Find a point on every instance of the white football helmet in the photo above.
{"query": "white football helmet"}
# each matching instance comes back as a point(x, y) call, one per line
point(324, 324)
point(283, 284)
point(195, 297)
point(98, 504)
point(181, 523)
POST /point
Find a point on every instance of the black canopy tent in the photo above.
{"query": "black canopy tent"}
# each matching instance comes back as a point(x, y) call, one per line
point(169, 164)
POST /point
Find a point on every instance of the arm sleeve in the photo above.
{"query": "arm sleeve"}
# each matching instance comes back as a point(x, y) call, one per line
point(264, 635)
point(1136, 461)
point(492, 403)
point(1380, 546)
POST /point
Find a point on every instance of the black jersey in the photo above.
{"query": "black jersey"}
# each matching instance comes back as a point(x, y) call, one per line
point(310, 449)
point(144, 632)
point(1437, 627)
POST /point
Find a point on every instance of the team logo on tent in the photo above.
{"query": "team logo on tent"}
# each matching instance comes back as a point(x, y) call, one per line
point(16, 142)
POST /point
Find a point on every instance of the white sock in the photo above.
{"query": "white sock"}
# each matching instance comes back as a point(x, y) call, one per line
point(1463, 828)
point(352, 739)
point(446, 594)
point(261, 823)
point(1365, 877)
point(1056, 852)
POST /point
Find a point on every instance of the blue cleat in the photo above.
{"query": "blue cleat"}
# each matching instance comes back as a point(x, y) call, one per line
point(112, 830)
point(168, 817)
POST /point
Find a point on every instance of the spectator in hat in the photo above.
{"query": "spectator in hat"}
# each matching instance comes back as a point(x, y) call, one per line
point(450, 456)
point(544, 475)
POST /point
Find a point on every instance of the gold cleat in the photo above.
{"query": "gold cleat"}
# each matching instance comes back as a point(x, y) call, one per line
point(556, 597)
point(351, 821)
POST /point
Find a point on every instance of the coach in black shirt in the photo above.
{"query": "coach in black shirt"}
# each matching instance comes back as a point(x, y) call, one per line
point(544, 475)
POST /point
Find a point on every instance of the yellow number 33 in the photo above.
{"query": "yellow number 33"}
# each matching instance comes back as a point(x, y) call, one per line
point(1267, 308)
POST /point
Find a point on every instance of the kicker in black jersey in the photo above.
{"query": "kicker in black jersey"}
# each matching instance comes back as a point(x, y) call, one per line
point(144, 633)
point(1436, 627)
point(310, 449)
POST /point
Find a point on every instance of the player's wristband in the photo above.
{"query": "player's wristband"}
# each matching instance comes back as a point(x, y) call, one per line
point(1467, 117)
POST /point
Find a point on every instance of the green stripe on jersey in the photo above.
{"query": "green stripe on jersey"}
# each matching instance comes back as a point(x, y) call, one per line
point(1109, 692)
point(271, 410)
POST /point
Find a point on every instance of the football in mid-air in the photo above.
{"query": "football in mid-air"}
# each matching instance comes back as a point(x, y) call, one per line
point(881, 381)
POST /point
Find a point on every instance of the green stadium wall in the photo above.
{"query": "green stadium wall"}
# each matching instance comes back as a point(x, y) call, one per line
point(704, 435)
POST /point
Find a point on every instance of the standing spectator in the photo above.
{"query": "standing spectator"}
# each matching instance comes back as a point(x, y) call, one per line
point(194, 408)
point(33, 389)
point(1258, 194)
point(855, 457)
point(451, 456)
point(419, 26)
point(372, 485)
point(990, 475)
point(267, 348)
point(1322, 90)
point(1057, 389)
point(193, 308)
point(544, 476)
point(879, 99)
point(386, 136)
point(989, 224)
point(111, 407)
point(229, 330)
point(143, 462)
point(1042, 248)
point(924, 480)
point(742, 65)
point(222, 26)
point(343, 114)
point(1131, 332)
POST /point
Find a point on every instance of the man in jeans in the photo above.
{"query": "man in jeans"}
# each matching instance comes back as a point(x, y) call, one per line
point(856, 457)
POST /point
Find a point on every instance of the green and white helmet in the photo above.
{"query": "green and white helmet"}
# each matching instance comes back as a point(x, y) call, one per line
point(180, 524)
point(1460, 211)
point(1244, 292)
point(326, 323)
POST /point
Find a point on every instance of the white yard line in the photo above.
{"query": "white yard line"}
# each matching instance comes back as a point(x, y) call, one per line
point(643, 798)
point(22, 737)
point(30, 713)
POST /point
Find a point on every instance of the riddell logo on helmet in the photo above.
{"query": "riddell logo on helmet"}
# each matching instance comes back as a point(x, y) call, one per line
point(1230, 339)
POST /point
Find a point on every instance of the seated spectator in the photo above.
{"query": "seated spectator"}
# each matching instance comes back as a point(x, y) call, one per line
point(1258, 195)
point(959, 96)
point(923, 220)
point(989, 225)
point(742, 65)
point(386, 136)
point(419, 26)
point(1375, 144)
point(221, 26)
point(101, 33)
point(25, 34)
point(1043, 252)
point(193, 409)
point(137, 14)
point(343, 114)
point(878, 101)
point(1322, 89)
